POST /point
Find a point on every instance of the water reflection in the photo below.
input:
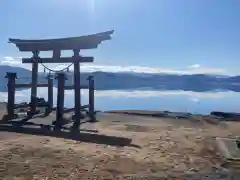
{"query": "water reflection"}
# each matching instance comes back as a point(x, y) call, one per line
point(187, 101)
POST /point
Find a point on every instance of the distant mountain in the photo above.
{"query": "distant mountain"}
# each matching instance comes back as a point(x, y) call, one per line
point(19, 71)
point(114, 81)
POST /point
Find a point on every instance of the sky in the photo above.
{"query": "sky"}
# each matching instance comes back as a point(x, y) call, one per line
point(170, 36)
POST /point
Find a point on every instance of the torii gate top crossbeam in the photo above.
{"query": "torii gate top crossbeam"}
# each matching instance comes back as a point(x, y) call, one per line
point(82, 42)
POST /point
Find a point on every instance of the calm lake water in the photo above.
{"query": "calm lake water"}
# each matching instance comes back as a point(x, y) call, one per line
point(185, 101)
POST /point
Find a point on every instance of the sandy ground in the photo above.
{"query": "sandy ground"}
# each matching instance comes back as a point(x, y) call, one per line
point(160, 149)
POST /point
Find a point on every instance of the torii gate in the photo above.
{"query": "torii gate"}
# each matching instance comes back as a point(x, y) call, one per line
point(57, 45)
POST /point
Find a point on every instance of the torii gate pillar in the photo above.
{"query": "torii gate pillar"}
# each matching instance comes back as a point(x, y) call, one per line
point(77, 90)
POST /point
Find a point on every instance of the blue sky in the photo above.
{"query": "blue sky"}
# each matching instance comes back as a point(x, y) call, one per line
point(186, 36)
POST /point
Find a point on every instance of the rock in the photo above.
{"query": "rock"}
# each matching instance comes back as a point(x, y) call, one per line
point(226, 115)
point(193, 170)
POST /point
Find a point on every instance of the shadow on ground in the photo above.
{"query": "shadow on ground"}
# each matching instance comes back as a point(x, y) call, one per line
point(89, 137)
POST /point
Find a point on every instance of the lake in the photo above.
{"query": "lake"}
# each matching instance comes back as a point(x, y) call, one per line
point(184, 101)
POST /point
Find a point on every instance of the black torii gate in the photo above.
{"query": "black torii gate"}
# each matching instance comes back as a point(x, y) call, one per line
point(56, 46)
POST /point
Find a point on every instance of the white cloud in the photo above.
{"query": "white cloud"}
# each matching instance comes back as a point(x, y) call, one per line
point(198, 69)
point(196, 100)
point(208, 70)
point(148, 94)
point(193, 69)
point(60, 67)
point(14, 61)
point(11, 60)
point(193, 96)
point(141, 69)
point(195, 66)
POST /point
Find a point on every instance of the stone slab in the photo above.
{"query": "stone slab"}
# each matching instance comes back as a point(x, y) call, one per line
point(228, 149)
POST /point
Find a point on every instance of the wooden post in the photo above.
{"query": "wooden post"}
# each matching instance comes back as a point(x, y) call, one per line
point(91, 111)
point(34, 82)
point(60, 101)
point(50, 95)
point(77, 91)
point(11, 94)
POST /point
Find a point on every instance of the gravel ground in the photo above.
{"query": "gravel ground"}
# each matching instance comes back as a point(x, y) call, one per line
point(163, 149)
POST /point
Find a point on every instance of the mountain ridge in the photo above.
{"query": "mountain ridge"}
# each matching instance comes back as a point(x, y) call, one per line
point(126, 80)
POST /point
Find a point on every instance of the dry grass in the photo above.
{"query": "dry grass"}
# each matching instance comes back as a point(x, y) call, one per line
point(168, 149)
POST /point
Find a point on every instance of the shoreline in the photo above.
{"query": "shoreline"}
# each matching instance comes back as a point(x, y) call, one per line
point(218, 115)
point(215, 115)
